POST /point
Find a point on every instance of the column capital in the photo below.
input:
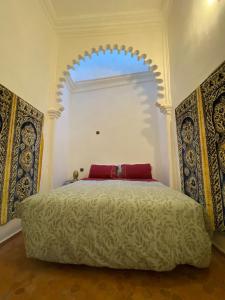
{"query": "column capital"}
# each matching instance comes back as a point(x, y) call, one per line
point(164, 107)
point(54, 113)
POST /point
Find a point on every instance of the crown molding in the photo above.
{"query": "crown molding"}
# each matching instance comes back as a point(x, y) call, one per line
point(167, 8)
point(109, 82)
point(101, 24)
point(103, 28)
point(49, 11)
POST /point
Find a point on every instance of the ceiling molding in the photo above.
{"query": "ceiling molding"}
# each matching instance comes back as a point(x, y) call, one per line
point(49, 11)
point(99, 23)
point(108, 82)
point(167, 8)
point(102, 29)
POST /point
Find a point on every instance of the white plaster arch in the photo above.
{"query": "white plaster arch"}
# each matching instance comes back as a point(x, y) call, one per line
point(101, 48)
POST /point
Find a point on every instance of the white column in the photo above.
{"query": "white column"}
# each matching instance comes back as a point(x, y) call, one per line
point(170, 143)
point(167, 110)
point(52, 116)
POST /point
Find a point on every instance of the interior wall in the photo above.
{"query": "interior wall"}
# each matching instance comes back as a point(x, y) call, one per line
point(28, 58)
point(196, 32)
point(62, 154)
point(149, 39)
point(196, 42)
point(129, 124)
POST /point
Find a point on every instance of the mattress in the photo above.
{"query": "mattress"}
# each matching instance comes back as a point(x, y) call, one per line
point(117, 224)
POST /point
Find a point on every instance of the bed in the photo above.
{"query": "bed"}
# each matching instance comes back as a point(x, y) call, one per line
point(124, 224)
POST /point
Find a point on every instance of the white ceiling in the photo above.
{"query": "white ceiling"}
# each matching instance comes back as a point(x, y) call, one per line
point(78, 8)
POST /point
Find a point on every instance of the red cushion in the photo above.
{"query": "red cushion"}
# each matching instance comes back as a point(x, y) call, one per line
point(102, 171)
point(137, 171)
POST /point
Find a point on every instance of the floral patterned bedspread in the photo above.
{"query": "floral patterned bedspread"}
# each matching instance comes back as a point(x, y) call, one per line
point(118, 224)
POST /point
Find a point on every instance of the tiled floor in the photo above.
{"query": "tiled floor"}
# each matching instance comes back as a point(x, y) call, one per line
point(23, 278)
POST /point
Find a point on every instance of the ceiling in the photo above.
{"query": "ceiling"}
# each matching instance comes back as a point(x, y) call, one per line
point(79, 8)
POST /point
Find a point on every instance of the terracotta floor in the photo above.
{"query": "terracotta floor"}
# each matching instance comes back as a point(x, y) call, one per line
point(22, 278)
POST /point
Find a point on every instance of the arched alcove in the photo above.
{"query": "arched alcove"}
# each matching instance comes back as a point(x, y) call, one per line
point(88, 54)
point(110, 120)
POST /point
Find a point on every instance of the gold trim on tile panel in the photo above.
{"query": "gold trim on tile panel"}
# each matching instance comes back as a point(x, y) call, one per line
point(205, 161)
point(40, 161)
point(5, 193)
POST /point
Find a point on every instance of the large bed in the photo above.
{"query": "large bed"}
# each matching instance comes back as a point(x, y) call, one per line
point(116, 223)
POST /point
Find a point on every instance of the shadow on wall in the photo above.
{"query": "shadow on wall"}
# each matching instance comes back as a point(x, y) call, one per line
point(155, 131)
point(131, 128)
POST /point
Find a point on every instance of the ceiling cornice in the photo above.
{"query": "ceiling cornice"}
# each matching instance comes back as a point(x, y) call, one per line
point(49, 11)
point(167, 8)
point(100, 24)
point(109, 82)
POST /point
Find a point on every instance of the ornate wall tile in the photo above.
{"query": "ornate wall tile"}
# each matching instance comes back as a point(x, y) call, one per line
point(6, 101)
point(22, 139)
point(201, 140)
point(189, 148)
point(213, 96)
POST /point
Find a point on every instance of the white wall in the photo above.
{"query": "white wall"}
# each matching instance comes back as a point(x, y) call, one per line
point(149, 40)
point(61, 149)
point(197, 43)
point(129, 123)
point(28, 58)
point(197, 46)
point(28, 55)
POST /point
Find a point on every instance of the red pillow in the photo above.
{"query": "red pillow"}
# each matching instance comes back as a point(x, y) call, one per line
point(137, 171)
point(102, 171)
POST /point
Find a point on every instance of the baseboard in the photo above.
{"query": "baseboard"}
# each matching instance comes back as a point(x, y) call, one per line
point(219, 241)
point(10, 229)
point(218, 247)
point(12, 236)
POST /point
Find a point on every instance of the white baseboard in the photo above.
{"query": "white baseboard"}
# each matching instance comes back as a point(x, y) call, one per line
point(219, 241)
point(9, 229)
point(221, 249)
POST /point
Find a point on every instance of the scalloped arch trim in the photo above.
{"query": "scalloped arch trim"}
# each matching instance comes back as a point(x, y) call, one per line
point(131, 50)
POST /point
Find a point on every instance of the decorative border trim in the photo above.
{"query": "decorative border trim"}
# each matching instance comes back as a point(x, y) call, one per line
point(5, 189)
point(40, 162)
point(205, 160)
